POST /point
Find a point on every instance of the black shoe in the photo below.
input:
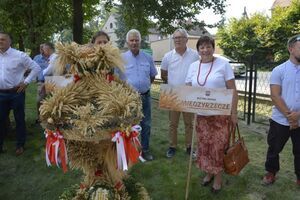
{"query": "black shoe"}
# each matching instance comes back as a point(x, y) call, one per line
point(171, 152)
point(188, 151)
point(215, 191)
point(2, 150)
point(206, 182)
point(147, 155)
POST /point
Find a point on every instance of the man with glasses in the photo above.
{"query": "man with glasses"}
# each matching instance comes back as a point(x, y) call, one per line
point(285, 118)
point(174, 67)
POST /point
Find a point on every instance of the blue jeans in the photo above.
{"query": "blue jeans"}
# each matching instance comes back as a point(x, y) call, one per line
point(146, 121)
point(16, 102)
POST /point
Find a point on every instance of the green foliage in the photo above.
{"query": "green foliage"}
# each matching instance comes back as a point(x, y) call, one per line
point(34, 22)
point(242, 38)
point(168, 14)
point(261, 36)
point(123, 28)
point(284, 23)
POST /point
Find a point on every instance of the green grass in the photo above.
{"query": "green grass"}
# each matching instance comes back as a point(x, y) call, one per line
point(28, 177)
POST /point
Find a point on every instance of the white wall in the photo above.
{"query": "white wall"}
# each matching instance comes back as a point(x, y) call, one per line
point(110, 27)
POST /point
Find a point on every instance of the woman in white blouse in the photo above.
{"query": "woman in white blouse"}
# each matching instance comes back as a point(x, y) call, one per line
point(212, 131)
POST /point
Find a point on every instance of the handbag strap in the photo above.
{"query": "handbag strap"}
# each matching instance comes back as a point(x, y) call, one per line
point(231, 135)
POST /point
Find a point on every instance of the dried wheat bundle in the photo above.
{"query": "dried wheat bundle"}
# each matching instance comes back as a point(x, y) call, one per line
point(58, 108)
point(120, 100)
point(87, 59)
point(91, 108)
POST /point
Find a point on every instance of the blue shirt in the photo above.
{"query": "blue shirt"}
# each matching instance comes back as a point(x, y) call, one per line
point(42, 61)
point(139, 70)
point(287, 75)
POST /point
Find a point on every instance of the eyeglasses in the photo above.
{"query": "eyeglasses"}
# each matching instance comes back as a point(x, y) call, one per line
point(179, 38)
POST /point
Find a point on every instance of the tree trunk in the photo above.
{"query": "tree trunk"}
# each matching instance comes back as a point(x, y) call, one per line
point(31, 26)
point(77, 21)
point(21, 43)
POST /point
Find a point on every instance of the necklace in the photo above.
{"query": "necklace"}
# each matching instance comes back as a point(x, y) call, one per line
point(202, 84)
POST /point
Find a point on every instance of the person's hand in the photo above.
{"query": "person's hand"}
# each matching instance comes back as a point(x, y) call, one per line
point(293, 118)
point(22, 87)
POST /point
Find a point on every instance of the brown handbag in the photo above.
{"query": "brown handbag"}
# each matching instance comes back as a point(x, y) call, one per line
point(236, 155)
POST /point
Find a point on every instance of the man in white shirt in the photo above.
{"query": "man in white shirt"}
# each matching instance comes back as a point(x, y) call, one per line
point(174, 67)
point(285, 119)
point(13, 64)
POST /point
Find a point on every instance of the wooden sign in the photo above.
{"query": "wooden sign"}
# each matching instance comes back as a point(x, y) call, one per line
point(55, 82)
point(203, 101)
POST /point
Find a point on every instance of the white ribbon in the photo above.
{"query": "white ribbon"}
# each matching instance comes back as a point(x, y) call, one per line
point(137, 128)
point(121, 156)
point(47, 154)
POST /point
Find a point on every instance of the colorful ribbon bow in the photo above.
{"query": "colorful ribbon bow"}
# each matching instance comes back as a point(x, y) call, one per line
point(127, 147)
point(56, 152)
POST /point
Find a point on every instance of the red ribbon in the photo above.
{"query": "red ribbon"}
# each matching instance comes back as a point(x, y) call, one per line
point(132, 153)
point(56, 149)
point(110, 78)
point(131, 145)
point(76, 78)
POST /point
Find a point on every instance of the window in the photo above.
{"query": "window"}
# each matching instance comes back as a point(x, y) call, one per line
point(111, 25)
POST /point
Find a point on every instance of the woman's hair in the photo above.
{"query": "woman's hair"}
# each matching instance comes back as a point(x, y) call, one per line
point(205, 40)
point(97, 34)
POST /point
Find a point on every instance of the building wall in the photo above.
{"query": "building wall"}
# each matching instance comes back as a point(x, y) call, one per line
point(153, 37)
point(109, 27)
point(161, 47)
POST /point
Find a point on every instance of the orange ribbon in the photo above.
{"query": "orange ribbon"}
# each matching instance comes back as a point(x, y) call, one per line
point(132, 153)
point(56, 152)
point(128, 145)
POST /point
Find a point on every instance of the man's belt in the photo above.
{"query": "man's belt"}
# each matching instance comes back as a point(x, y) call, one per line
point(145, 93)
point(11, 90)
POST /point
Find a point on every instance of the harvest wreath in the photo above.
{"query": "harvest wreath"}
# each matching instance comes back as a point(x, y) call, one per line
point(92, 121)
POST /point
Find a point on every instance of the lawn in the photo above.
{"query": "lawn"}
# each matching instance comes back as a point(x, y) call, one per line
point(28, 177)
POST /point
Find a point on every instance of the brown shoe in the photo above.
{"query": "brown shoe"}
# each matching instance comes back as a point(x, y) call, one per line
point(19, 151)
point(269, 179)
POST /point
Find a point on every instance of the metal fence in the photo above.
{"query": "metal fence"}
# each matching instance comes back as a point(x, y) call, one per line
point(254, 91)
